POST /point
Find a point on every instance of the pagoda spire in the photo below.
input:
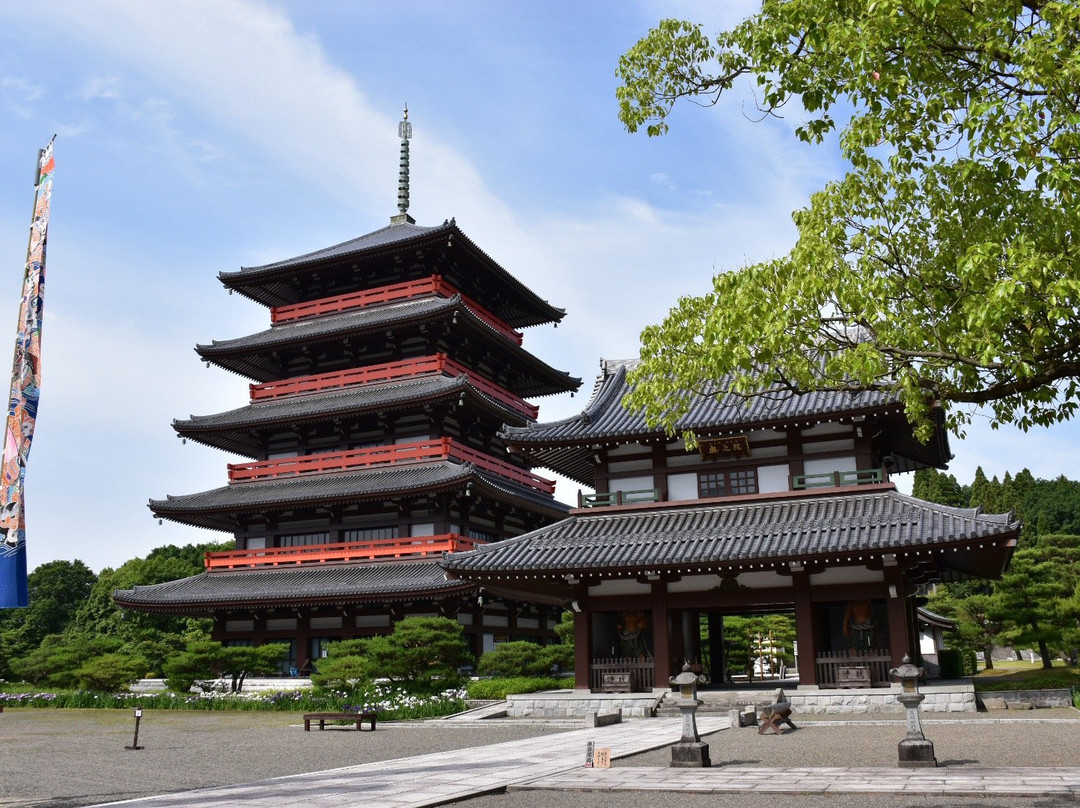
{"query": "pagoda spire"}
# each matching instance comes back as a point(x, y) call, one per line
point(405, 133)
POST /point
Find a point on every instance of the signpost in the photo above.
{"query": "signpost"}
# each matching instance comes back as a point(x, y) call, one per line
point(138, 718)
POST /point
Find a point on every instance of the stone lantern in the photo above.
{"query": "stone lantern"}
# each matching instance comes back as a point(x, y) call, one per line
point(915, 750)
point(689, 752)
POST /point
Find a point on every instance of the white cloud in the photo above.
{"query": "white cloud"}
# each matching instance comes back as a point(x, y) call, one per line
point(26, 90)
point(104, 87)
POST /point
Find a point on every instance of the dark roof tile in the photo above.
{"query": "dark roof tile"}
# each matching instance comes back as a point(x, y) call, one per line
point(564, 445)
point(354, 583)
point(758, 530)
point(216, 508)
point(231, 430)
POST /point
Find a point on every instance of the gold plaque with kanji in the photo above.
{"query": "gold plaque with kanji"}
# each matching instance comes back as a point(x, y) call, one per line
point(728, 448)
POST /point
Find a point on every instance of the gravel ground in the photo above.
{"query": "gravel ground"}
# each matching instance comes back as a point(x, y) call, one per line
point(61, 758)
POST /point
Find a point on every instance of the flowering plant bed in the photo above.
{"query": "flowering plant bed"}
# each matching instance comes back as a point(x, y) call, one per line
point(391, 702)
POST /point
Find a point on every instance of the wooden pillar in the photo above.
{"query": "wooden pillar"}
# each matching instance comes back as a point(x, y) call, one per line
point(583, 636)
point(691, 635)
point(805, 627)
point(303, 640)
point(661, 635)
point(677, 647)
point(717, 663)
point(899, 641)
point(659, 462)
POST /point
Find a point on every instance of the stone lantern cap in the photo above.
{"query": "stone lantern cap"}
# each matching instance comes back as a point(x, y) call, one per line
point(906, 670)
point(687, 678)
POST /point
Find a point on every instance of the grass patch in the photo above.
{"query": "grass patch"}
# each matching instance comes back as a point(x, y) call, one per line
point(1031, 678)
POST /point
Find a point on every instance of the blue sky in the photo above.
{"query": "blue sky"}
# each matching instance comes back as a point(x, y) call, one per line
point(196, 137)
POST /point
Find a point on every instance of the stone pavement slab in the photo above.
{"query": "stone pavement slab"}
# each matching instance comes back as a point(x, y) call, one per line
point(553, 763)
point(437, 778)
point(969, 781)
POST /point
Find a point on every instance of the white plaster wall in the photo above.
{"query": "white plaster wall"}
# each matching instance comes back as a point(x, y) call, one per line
point(771, 479)
point(682, 486)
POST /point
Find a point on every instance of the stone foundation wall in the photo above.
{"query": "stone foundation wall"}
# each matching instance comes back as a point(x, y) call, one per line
point(1032, 698)
point(579, 703)
point(854, 702)
point(953, 698)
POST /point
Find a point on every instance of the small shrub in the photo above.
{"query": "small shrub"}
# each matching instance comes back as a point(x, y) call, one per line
point(110, 672)
point(513, 659)
point(971, 662)
point(500, 688)
point(346, 672)
point(951, 661)
point(557, 658)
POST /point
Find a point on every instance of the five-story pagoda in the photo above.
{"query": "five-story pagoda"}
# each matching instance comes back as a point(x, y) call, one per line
point(372, 444)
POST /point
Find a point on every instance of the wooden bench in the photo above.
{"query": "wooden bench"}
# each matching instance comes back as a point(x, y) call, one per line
point(773, 716)
point(322, 718)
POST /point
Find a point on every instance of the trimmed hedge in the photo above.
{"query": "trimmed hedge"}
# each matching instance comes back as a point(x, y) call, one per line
point(501, 688)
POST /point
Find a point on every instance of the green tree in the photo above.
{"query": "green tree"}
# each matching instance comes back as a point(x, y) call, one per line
point(514, 659)
point(54, 663)
point(979, 488)
point(240, 661)
point(1054, 505)
point(525, 658)
point(421, 653)
point(1069, 611)
point(748, 639)
point(944, 267)
point(981, 619)
point(565, 628)
point(99, 614)
point(1038, 581)
point(198, 661)
point(937, 486)
point(109, 673)
point(345, 667)
point(203, 659)
point(57, 589)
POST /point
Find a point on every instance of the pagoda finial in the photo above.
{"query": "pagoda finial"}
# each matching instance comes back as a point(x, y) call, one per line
point(404, 132)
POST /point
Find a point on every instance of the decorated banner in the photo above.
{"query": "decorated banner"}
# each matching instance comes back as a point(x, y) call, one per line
point(23, 402)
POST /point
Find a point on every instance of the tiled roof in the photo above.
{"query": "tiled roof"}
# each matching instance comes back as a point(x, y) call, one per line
point(232, 430)
point(518, 305)
point(216, 509)
point(251, 355)
point(355, 583)
point(394, 234)
point(301, 332)
point(564, 445)
point(793, 527)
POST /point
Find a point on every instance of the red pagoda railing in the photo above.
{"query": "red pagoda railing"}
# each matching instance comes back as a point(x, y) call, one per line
point(389, 371)
point(382, 295)
point(375, 456)
point(340, 553)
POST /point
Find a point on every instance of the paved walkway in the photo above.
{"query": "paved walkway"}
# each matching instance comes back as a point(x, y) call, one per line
point(555, 763)
point(440, 777)
point(972, 782)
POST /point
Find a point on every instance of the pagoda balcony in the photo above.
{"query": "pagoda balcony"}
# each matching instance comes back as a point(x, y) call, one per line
point(382, 295)
point(608, 498)
point(836, 479)
point(340, 552)
point(397, 454)
point(440, 363)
